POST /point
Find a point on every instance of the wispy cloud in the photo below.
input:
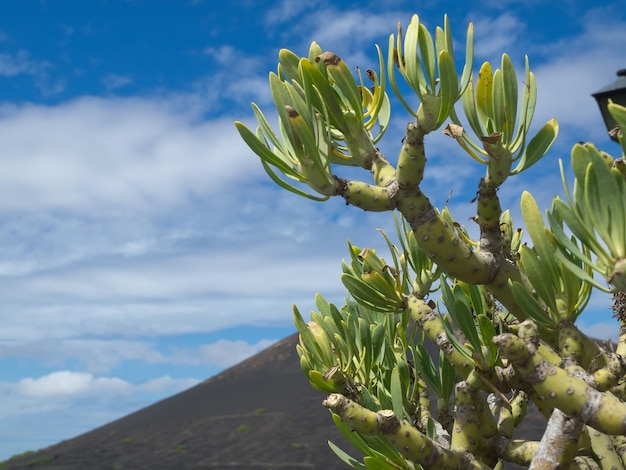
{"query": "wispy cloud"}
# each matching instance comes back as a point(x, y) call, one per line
point(20, 63)
point(495, 35)
point(113, 81)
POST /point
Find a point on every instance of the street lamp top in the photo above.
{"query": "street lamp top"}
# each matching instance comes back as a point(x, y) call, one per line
point(617, 85)
point(616, 92)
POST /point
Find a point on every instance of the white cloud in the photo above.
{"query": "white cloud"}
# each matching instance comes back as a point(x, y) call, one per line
point(101, 355)
point(120, 155)
point(20, 63)
point(166, 383)
point(354, 27)
point(495, 35)
point(114, 81)
point(222, 353)
point(286, 11)
point(62, 391)
point(69, 383)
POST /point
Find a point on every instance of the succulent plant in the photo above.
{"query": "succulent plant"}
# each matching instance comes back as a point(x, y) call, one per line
point(501, 310)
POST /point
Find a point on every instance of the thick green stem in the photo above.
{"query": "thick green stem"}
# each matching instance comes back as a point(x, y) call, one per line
point(570, 341)
point(440, 241)
point(557, 389)
point(517, 451)
point(411, 443)
point(412, 159)
point(365, 196)
point(430, 324)
point(474, 429)
point(512, 413)
point(488, 213)
point(422, 413)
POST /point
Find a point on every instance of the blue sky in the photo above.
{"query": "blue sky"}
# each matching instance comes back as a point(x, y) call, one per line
point(142, 247)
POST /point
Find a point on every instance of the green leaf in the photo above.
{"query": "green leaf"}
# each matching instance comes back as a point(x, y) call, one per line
point(378, 341)
point(469, 108)
point(307, 337)
point(466, 76)
point(391, 69)
point(605, 194)
point(397, 397)
point(428, 56)
point(447, 377)
point(281, 97)
point(316, 83)
point(361, 291)
point(536, 229)
point(283, 184)
point(347, 85)
point(261, 149)
point(487, 332)
point(484, 96)
point(509, 83)
point(446, 293)
point(581, 273)
point(478, 299)
point(288, 65)
point(317, 381)
point(453, 339)
point(366, 343)
point(581, 157)
point(428, 370)
point(578, 227)
point(530, 306)
point(464, 319)
point(499, 105)
point(375, 463)
point(346, 458)
point(597, 204)
point(383, 118)
point(448, 85)
point(539, 277)
point(538, 146)
point(440, 41)
point(265, 131)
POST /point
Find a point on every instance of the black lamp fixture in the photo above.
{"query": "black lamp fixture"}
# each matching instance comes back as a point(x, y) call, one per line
point(616, 92)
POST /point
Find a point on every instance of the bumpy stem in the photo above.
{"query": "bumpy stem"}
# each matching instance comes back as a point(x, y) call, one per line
point(412, 158)
point(474, 429)
point(512, 413)
point(430, 324)
point(422, 413)
point(365, 196)
point(608, 377)
point(440, 241)
point(488, 213)
point(411, 443)
point(557, 389)
point(570, 341)
point(400, 190)
point(517, 451)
